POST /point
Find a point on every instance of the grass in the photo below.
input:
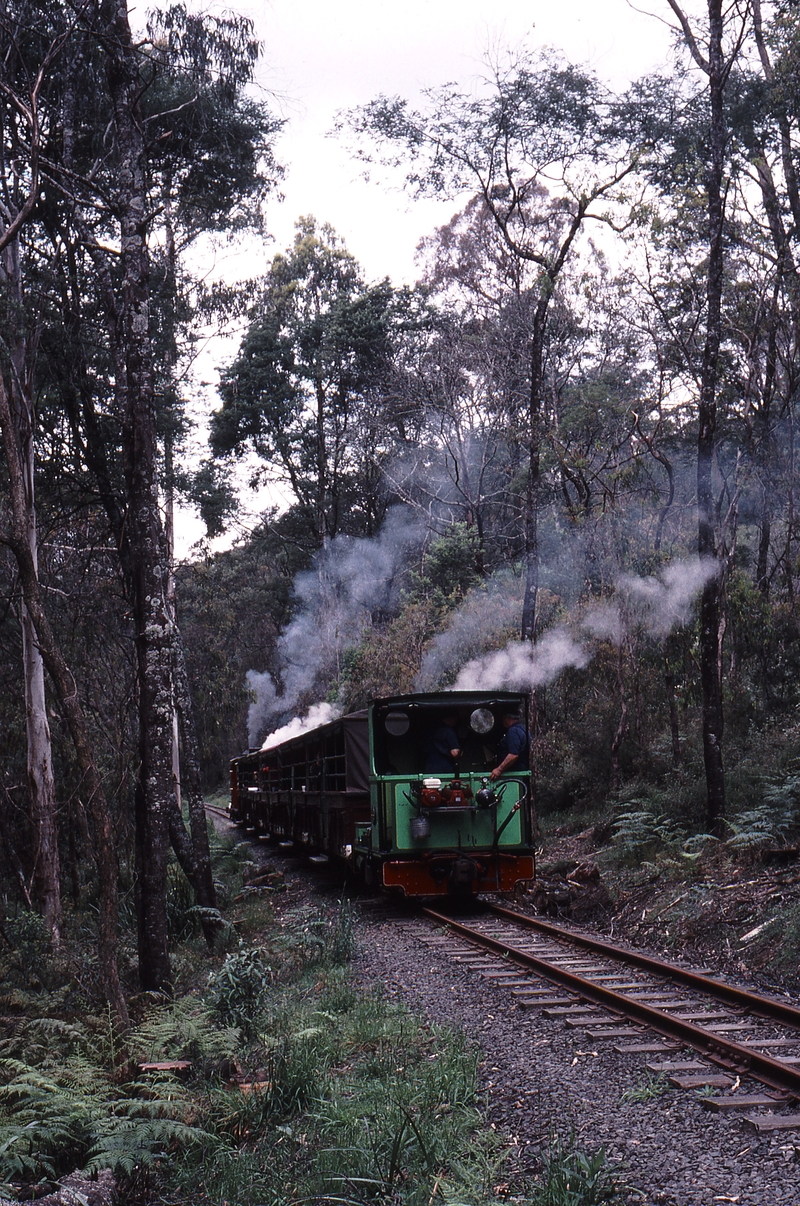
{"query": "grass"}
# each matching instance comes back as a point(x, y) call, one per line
point(646, 1089)
point(302, 1087)
point(573, 1178)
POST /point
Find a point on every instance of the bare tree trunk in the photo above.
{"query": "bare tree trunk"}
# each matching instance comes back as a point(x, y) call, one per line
point(529, 613)
point(711, 627)
point(711, 600)
point(199, 872)
point(41, 784)
point(622, 726)
point(149, 560)
point(203, 871)
point(64, 683)
point(669, 683)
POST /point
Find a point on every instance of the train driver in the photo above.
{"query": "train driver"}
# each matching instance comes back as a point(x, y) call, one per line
point(514, 746)
point(443, 749)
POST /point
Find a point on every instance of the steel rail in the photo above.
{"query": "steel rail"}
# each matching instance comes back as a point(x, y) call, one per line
point(753, 1002)
point(772, 1072)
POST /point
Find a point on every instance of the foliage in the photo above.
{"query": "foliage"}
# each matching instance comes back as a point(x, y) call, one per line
point(307, 391)
point(52, 1124)
point(653, 1085)
point(638, 833)
point(185, 1029)
point(237, 991)
point(571, 1178)
point(764, 825)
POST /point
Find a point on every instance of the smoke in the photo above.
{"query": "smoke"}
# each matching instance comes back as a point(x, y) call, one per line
point(263, 695)
point(349, 582)
point(488, 616)
point(656, 605)
point(661, 604)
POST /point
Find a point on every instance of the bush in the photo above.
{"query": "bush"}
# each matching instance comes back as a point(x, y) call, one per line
point(237, 990)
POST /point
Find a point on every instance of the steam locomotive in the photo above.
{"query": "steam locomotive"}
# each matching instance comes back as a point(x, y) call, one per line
point(361, 789)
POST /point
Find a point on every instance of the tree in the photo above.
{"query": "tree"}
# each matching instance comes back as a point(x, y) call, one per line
point(20, 144)
point(311, 389)
point(536, 120)
point(177, 113)
point(15, 535)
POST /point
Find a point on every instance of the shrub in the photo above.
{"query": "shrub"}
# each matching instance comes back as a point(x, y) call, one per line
point(236, 991)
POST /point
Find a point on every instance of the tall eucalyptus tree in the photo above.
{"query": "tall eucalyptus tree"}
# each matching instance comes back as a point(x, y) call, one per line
point(542, 148)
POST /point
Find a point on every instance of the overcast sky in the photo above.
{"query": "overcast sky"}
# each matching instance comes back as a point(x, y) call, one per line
point(321, 56)
point(324, 55)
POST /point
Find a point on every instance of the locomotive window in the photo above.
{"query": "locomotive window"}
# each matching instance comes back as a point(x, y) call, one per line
point(481, 721)
point(396, 724)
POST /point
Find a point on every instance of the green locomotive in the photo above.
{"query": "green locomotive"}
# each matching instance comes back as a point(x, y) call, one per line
point(403, 792)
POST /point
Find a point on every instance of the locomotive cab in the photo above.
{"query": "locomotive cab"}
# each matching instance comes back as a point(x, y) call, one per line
point(439, 825)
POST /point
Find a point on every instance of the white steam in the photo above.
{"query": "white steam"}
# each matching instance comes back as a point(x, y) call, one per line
point(661, 604)
point(318, 714)
point(522, 665)
point(349, 581)
point(487, 617)
point(656, 605)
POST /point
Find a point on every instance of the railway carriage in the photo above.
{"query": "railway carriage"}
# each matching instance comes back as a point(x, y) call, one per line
point(361, 789)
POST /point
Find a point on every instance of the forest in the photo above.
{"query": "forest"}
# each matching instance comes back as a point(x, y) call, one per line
point(564, 460)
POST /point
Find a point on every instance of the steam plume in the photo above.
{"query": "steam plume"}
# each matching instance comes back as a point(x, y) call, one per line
point(655, 604)
point(348, 583)
point(521, 665)
point(317, 714)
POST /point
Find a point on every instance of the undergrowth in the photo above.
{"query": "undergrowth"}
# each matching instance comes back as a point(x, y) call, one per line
point(284, 1082)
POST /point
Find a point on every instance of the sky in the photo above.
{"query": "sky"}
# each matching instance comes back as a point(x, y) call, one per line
point(323, 56)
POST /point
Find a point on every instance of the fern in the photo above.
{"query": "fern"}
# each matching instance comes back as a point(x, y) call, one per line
point(129, 1144)
point(49, 1127)
point(760, 826)
point(182, 1030)
point(638, 831)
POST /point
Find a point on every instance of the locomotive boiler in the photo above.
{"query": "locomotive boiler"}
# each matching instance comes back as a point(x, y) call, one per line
point(378, 790)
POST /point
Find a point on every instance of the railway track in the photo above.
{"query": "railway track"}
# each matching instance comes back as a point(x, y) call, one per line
point(747, 1042)
point(218, 812)
point(743, 1044)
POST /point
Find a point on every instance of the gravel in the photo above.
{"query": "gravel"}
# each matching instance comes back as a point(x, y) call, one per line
point(541, 1079)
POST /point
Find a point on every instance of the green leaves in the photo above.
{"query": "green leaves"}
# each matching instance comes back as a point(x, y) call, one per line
point(309, 386)
point(237, 990)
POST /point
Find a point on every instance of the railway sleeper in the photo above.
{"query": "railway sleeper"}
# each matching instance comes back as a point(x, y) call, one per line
point(742, 1101)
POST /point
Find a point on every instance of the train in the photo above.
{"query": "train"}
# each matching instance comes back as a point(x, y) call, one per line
point(377, 791)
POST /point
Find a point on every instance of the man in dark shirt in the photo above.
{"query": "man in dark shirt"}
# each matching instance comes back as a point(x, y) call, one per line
point(443, 750)
point(513, 748)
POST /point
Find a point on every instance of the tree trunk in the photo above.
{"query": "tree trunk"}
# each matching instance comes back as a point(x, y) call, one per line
point(203, 877)
point(64, 683)
point(41, 784)
point(149, 560)
point(529, 614)
point(674, 728)
point(622, 726)
point(711, 599)
point(199, 872)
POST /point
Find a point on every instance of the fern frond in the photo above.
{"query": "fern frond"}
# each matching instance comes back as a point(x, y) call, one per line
point(136, 1143)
